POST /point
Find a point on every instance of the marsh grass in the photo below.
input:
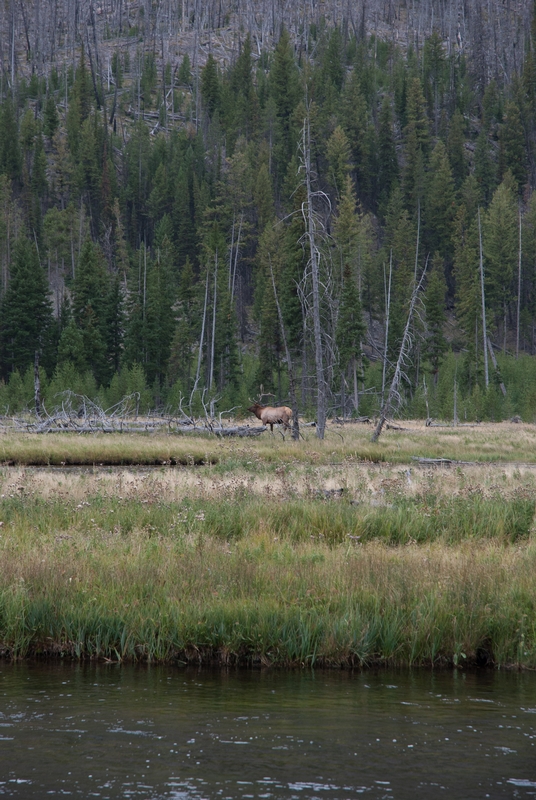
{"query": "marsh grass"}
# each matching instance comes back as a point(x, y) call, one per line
point(263, 602)
point(343, 444)
point(434, 567)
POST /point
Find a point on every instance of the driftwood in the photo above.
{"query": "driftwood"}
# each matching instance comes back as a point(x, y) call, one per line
point(79, 414)
point(352, 420)
point(442, 462)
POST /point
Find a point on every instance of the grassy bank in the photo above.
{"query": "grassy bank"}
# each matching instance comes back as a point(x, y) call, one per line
point(270, 567)
point(343, 443)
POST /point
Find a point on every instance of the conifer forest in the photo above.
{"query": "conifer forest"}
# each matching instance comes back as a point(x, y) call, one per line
point(214, 202)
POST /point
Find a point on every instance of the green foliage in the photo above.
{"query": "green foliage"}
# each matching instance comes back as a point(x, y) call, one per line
point(284, 92)
point(210, 86)
point(25, 311)
point(436, 290)
point(394, 133)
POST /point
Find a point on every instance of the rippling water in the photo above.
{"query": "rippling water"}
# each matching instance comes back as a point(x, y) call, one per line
point(111, 731)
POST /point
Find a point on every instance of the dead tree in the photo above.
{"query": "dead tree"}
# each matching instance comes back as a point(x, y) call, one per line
point(393, 394)
point(291, 377)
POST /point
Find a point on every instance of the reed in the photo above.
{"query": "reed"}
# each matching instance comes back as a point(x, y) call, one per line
point(133, 567)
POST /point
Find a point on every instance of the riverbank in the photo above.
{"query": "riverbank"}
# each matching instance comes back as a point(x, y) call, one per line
point(296, 564)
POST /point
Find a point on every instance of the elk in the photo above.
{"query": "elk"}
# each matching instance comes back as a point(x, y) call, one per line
point(271, 416)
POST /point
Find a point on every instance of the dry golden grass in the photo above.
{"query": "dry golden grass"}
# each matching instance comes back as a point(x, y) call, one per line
point(351, 442)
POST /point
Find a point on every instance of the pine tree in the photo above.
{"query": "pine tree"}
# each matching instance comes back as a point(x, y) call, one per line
point(71, 348)
point(439, 202)
point(349, 335)
point(455, 149)
point(500, 239)
point(263, 197)
point(283, 83)
point(355, 123)
point(485, 169)
point(245, 116)
point(436, 291)
point(338, 154)
point(50, 117)
point(332, 61)
point(512, 151)
point(184, 218)
point(158, 320)
point(186, 331)
point(468, 297)
point(435, 74)
point(387, 159)
point(416, 144)
point(26, 320)
point(184, 75)
point(269, 260)
point(210, 86)
point(10, 156)
point(90, 296)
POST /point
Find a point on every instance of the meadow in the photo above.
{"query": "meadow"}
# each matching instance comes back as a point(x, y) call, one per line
point(270, 552)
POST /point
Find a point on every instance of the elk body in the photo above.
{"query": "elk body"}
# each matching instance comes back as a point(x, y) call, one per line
point(271, 416)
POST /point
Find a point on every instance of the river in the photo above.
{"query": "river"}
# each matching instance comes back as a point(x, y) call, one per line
point(109, 731)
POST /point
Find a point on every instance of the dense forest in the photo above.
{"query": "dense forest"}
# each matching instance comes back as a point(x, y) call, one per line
point(211, 203)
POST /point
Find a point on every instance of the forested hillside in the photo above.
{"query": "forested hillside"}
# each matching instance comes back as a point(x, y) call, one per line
point(210, 203)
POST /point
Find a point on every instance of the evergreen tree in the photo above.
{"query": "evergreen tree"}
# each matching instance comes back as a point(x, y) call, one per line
point(349, 335)
point(90, 297)
point(436, 290)
point(416, 144)
point(71, 348)
point(26, 320)
point(184, 75)
point(435, 74)
point(158, 319)
point(210, 86)
point(512, 151)
point(245, 104)
point(186, 331)
point(10, 156)
point(455, 149)
point(440, 203)
point(283, 82)
point(50, 117)
point(355, 123)
point(338, 154)
point(500, 236)
point(468, 292)
point(387, 159)
point(269, 260)
point(332, 61)
point(485, 170)
point(263, 197)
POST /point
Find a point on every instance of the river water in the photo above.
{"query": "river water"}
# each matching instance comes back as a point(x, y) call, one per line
point(109, 731)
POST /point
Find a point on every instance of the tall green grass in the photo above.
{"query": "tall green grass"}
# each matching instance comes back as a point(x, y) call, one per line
point(425, 580)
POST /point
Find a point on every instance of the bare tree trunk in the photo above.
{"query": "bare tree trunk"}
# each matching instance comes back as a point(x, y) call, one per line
point(387, 291)
point(484, 327)
point(200, 353)
point(496, 366)
point(518, 286)
point(315, 256)
point(37, 385)
point(406, 339)
point(212, 343)
point(291, 376)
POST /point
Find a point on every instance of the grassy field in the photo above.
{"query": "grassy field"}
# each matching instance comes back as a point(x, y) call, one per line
point(485, 442)
point(270, 551)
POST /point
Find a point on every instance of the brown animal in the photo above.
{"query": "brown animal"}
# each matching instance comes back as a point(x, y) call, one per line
point(271, 416)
